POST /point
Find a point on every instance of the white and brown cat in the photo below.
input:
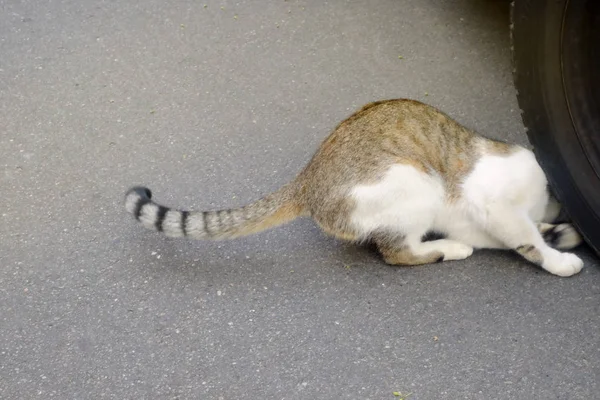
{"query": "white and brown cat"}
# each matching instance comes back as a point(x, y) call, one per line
point(391, 173)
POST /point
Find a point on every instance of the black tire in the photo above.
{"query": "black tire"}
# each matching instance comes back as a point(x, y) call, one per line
point(556, 56)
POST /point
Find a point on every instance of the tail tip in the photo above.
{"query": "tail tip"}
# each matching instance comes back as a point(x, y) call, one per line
point(135, 198)
point(141, 191)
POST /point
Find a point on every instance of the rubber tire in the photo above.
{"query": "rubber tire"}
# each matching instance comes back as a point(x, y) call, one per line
point(544, 81)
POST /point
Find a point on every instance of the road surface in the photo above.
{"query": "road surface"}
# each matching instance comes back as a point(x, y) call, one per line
point(213, 104)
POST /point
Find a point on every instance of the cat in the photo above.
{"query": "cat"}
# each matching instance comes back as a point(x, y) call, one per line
point(391, 173)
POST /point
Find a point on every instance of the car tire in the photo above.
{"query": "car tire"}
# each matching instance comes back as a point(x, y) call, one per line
point(556, 59)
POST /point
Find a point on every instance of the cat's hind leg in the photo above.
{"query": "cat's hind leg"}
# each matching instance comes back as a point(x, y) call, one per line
point(517, 231)
point(411, 250)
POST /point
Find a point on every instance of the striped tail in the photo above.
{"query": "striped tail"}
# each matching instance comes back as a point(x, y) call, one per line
point(272, 210)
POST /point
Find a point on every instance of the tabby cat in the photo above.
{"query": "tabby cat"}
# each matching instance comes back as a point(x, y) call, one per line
point(390, 174)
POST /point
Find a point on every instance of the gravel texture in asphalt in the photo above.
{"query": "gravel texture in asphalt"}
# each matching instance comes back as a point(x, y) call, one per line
point(213, 105)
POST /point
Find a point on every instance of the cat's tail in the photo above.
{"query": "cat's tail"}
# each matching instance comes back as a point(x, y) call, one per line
point(274, 209)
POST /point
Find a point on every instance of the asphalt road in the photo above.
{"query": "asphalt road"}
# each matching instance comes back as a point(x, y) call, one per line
point(212, 106)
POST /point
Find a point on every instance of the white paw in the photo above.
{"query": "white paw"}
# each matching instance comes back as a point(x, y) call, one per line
point(456, 251)
point(562, 264)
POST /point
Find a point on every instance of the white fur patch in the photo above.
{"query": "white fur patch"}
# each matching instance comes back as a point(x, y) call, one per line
point(515, 179)
point(410, 202)
point(405, 201)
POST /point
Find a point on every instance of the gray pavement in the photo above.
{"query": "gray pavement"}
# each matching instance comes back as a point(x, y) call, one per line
point(213, 107)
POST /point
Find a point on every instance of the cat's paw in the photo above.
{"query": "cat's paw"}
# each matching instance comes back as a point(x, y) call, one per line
point(562, 264)
point(563, 236)
point(456, 251)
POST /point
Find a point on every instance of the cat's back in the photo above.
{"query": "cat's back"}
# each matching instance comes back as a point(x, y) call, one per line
point(386, 151)
point(394, 131)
